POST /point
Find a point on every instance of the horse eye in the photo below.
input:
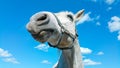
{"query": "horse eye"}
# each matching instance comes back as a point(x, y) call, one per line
point(70, 17)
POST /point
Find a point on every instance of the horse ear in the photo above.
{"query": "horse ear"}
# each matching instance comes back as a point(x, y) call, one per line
point(78, 15)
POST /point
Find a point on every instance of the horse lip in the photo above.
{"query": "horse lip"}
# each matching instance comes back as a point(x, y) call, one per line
point(46, 30)
point(41, 34)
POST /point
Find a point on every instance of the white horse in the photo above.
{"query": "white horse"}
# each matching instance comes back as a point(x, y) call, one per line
point(58, 29)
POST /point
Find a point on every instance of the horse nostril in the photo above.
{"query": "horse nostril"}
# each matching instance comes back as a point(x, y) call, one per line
point(42, 17)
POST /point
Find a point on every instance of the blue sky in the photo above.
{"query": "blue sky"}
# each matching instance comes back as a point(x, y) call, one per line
point(99, 33)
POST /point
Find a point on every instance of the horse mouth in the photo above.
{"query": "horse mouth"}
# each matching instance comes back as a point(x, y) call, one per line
point(43, 35)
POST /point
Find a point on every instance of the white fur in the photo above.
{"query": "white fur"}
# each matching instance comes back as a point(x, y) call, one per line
point(70, 58)
point(70, 26)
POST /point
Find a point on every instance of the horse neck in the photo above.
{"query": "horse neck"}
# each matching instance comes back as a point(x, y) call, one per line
point(71, 58)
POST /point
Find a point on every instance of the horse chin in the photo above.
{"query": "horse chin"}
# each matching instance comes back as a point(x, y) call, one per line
point(66, 41)
point(43, 35)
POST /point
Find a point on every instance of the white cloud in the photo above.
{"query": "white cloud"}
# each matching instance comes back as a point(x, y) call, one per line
point(90, 62)
point(119, 35)
point(46, 62)
point(114, 25)
point(109, 2)
point(109, 8)
point(7, 57)
point(85, 18)
point(98, 23)
point(97, 20)
point(100, 53)
point(43, 47)
point(94, 0)
point(97, 17)
point(11, 59)
point(4, 53)
point(85, 50)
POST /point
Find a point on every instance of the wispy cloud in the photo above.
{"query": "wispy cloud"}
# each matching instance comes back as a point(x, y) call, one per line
point(85, 18)
point(118, 35)
point(109, 8)
point(88, 18)
point(7, 57)
point(100, 53)
point(89, 62)
point(98, 23)
point(46, 62)
point(4, 53)
point(43, 47)
point(96, 19)
point(114, 25)
point(109, 2)
point(94, 0)
point(11, 60)
point(85, 50)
